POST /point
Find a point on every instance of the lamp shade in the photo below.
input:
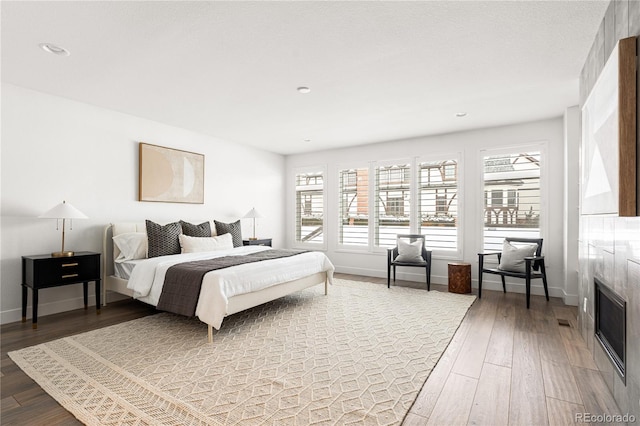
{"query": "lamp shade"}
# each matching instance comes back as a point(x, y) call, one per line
point(253, 214)
point(63, 210)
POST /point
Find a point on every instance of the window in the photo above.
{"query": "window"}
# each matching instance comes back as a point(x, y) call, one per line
point(354, 207)
point(438, 207)
point(514, 178)
point(382, 200)
point(392, 203)
point(310, 207)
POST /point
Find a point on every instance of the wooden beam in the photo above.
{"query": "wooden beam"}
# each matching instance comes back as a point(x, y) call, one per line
point(627, 122)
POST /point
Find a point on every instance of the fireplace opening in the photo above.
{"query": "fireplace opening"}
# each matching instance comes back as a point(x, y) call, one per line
point(610, 325)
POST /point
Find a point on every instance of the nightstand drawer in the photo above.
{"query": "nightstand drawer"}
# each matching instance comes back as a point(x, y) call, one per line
point(50, 271)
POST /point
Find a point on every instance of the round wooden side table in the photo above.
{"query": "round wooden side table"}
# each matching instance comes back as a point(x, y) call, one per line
point(459, 277)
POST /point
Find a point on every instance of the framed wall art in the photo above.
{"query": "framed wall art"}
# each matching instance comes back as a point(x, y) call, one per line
point(170, 175)
point(609, 139)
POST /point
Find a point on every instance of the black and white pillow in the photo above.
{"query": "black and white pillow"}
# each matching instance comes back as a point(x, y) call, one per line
point(191, 230)
point(163, 240)
point(230, 228)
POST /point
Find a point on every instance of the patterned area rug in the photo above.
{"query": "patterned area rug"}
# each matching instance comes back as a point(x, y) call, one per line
point(357, 356)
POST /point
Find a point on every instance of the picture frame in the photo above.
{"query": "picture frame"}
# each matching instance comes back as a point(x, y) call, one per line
point(609, 137)
point(170, 175)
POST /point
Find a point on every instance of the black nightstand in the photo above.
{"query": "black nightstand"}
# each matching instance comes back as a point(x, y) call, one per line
point(258, 242)
point(44, 271)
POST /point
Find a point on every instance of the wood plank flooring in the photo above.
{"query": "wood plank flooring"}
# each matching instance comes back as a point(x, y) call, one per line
point(506, 365)
point(22, 401)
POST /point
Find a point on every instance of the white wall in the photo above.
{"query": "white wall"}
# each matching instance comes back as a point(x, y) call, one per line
point(572, 137)
point(54, 149)
point(469, 144)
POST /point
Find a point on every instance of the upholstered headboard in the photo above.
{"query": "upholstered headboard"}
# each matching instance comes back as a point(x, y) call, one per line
point(109, 250)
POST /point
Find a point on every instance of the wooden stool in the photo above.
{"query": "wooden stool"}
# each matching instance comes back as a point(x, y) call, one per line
point(460, 277)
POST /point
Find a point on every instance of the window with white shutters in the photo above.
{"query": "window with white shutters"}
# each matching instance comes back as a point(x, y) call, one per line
point(512, 197)
point(353, 189)
point(310, 207)
point(392, 209)
point(438, 205)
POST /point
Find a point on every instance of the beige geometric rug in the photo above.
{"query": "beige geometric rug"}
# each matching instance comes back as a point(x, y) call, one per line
point(357, 356)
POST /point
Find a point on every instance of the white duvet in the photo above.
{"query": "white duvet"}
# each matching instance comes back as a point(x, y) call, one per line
point(147, 278)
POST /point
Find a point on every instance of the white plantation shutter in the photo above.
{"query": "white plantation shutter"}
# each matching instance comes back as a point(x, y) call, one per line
point(512, 197)
point(310, 207)
point(353, 193)
point(392, 203)
point(438, 204)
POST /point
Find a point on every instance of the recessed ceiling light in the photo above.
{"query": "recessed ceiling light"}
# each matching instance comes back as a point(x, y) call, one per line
point(303, 89)
point(461, 114)
point(56, 50)
point(307, 140)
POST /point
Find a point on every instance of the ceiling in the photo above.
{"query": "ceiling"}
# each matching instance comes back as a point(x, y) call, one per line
point(378, 71)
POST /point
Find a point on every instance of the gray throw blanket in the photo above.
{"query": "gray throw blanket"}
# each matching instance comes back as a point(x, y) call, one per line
point(183, 281)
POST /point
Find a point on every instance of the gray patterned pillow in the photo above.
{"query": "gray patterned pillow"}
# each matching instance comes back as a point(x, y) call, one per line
point(191, 230)
point(163, 240)
point(230, 228)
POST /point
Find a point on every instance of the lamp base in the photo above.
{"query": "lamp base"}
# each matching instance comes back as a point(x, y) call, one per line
point(252, 238)
point(62, 254)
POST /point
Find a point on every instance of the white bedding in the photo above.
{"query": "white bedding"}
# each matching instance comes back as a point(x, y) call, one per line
point(147, 278)
point(123, 269)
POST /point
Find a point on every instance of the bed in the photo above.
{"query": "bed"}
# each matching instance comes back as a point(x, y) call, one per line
point(225, 291)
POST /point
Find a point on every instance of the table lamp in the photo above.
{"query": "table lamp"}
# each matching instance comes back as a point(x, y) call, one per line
point(253, 214)
point(63, 211)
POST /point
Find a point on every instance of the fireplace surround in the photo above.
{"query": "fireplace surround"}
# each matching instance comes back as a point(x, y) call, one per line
point(610, 326)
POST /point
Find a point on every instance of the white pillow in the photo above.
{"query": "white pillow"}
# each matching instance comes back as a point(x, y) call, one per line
point(132, 245)
point(409, 252)
point(513, 257)
point(198, 244)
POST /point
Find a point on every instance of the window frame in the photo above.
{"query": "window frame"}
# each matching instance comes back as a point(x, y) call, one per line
point(457, 156)
point(309, 245)
point(375, 165)
point(543, 148)
point(369, 165)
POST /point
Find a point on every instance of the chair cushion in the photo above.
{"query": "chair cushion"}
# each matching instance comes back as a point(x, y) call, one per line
point(409, 252)
point(513, 257)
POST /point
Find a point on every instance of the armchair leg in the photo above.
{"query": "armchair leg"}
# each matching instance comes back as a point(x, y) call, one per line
point(388, 275)
point(394, 273)
point(480, 263)
point(544, 279)
point(528, 289)
point(504, 284)
point(429, 277)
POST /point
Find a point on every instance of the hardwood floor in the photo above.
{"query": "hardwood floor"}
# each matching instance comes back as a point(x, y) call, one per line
point(506, 365)
point(22, 401)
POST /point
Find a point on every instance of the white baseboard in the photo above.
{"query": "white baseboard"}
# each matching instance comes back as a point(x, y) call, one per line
point(406, 276)
point(44, 309)
point(536, 289)
point(571, 299)
point(487, 284)
point(113, 296)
